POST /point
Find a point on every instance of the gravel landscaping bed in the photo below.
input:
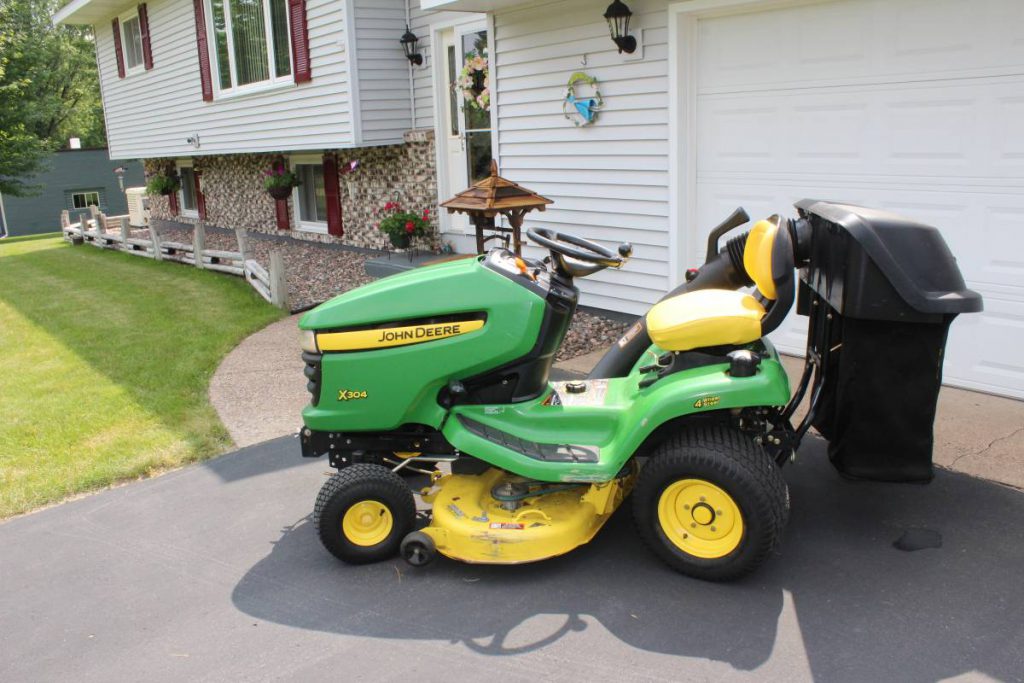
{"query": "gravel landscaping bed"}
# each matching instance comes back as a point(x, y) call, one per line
point(316, 272)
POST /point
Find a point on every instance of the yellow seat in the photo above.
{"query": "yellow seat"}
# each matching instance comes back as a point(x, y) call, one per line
point(707, 317)
point(719, 317)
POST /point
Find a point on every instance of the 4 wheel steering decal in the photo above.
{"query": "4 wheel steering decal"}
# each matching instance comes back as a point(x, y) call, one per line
point(380, 338)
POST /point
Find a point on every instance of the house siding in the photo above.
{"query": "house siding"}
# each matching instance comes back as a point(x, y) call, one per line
point(152, 113)
point(383, 71)
point(68, 172)
point(423, 84)
point(609, 181)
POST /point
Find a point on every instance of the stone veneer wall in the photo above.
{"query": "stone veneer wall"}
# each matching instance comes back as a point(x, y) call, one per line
point(235, 198)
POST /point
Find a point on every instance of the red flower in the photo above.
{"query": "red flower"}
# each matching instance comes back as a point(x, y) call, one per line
point(426, 212)
point(409, 226)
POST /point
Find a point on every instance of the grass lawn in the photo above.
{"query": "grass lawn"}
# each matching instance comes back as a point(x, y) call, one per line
point(105, 360)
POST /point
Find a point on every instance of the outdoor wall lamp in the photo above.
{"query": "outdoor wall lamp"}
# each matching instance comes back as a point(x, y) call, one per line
point(617, 15)
point(409, 42)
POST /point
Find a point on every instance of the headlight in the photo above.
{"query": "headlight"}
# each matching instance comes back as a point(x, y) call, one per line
point(308, 341)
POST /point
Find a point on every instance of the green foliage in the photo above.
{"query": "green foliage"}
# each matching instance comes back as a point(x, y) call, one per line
point(108, 380)
point(402, 225)
point(279, 175)
point(161, 183)
point(49, 90)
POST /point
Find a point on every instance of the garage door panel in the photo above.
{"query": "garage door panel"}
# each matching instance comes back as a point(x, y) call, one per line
point(859, 40)
point(911, 106)
point(984, 350)
point(955, 129)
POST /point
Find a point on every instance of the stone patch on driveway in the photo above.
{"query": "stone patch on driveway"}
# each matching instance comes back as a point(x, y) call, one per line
point(214, 572)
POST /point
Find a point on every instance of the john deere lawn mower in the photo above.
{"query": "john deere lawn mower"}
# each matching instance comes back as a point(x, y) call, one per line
point(443, 371)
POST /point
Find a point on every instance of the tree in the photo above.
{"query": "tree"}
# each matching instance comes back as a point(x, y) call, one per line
point(49, 90)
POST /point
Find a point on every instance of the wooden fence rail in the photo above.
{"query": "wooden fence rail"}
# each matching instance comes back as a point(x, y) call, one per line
point(113, 232)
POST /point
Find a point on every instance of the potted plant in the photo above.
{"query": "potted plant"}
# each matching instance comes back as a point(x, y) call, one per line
point(402, 226)
point(166, 183)
point(279, 180)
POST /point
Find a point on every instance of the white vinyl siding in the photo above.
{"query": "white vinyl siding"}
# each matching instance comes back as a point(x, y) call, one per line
point(423, 85)
point(153, 113)
point(383, 70)
point(609, 181)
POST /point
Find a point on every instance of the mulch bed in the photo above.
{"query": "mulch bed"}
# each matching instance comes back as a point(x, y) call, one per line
point(317, 272)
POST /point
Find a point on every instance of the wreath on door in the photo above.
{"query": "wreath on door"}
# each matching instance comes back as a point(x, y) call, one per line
point(474, 81)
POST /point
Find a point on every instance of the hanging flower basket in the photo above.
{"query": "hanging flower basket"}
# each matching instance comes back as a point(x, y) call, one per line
point(280, 192)
point(474, 81)
point(279, 181)
point(163, 184)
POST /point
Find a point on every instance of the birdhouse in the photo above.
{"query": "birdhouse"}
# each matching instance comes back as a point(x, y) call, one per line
point(494, 195)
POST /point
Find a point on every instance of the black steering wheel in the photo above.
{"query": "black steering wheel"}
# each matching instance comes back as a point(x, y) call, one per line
point(587, 257)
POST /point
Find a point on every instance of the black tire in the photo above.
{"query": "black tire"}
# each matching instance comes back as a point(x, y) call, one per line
point(418, 549)
point(731, 461)
point(357, 484)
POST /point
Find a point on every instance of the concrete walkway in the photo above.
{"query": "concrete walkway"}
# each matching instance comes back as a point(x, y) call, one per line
point(259, 391)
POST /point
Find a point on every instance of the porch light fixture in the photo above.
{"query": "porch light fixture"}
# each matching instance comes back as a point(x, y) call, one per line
point(409, 43)
point(617, 15)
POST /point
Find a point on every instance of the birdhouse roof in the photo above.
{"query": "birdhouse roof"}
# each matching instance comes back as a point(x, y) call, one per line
point(494, 195)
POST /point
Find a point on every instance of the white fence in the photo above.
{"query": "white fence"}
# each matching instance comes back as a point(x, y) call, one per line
point(113, 232)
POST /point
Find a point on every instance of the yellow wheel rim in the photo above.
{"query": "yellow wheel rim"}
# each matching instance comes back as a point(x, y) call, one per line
point(700, 518)
point(367, 523)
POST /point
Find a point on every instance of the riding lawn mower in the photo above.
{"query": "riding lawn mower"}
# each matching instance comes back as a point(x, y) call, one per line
point(441, 374)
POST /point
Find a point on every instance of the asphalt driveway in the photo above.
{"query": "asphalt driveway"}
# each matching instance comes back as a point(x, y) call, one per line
point(214, 572)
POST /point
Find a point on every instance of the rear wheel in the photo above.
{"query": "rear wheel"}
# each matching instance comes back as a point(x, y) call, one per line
point(711, 503)
point(363, 512)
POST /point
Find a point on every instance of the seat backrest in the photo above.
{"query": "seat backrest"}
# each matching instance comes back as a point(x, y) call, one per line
point(768, 260)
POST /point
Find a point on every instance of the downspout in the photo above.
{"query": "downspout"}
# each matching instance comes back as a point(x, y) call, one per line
point(412, 75)
point(3, 217)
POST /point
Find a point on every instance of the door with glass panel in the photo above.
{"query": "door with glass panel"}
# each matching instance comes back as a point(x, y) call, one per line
point(467, 109)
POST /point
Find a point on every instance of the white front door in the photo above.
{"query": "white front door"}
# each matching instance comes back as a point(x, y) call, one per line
point(909, 106)
point(466, 128)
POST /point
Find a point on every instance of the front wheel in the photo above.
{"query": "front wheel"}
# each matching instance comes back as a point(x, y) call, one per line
point(363, 512)
point(711, 503)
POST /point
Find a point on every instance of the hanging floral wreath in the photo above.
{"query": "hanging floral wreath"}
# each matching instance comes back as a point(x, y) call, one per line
point(474, 81)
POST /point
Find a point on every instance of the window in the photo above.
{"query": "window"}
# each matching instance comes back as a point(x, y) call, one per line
point(311, 195)
point(187, 193)
point(83, 200)
point(250, 42)
point(131, 30)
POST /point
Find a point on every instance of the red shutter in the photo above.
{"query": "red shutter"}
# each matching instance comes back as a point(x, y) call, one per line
point(147, 51)
point(116, 26)
point(281, 211)
point(333, 192)
point(172, 203)
point(303, 69)
point(204, 51)
point(200, 199)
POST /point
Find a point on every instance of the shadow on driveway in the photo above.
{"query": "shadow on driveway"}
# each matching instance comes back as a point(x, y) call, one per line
point(863, 609)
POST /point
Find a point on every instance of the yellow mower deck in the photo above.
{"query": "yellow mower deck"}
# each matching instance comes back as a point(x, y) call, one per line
point(468, 524)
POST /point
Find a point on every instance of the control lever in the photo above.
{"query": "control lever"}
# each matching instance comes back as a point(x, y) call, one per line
point(735, 220)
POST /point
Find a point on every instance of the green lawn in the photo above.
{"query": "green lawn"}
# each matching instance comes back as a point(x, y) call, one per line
point(105, 360)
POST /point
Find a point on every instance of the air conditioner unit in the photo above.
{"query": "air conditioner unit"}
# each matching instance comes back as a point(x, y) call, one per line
point(138, 207)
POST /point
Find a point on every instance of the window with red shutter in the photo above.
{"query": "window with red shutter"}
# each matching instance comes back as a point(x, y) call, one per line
point(332, 190)
point(204, 51)
point(147, 51)
point(118, 52)
point(302, 67)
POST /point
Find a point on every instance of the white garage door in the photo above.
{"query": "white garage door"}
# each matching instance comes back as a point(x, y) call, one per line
point(915, 106)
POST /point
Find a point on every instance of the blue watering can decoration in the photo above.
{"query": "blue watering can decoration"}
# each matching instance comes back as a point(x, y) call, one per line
point(582, 111)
